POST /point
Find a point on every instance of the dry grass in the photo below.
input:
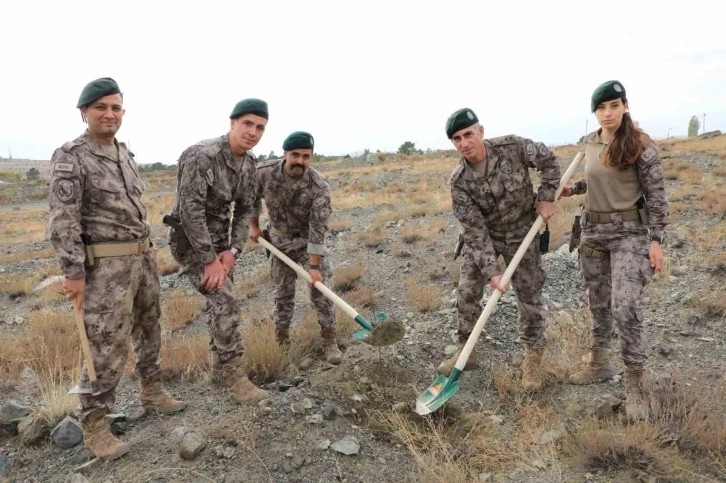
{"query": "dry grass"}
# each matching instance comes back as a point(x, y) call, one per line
point(264, 359)
point(683, 146)
point(561, 223)
point(569, 344)
point(422, 298)
point(17, 284)
point(720, 171)
point(339, 225)
point(24, 256)
point(410, 233)
point(709, 300)
point(372, 238)
point(346, 279)
point(248, 290)
point(386, 216)
point(363, 296)
point(165, 262)
point(157, 206)
point(184, 356)
point(713, 201)
point(179, 308)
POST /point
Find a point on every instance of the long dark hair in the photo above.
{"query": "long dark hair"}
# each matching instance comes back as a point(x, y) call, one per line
point(626, 146)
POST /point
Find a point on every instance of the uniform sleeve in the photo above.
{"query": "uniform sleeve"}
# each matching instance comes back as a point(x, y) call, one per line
point(64, 224)
point(474, 229)
point(192, 205)
point(319, 215)
point(257, 202)
point(650, 172)
point(539, 156)
point(580, 188)
point(243, 208)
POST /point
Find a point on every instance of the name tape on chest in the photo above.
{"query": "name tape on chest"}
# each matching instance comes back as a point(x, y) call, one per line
point(63, 167)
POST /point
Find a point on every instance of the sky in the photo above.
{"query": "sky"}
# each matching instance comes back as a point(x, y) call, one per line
point(356, 75)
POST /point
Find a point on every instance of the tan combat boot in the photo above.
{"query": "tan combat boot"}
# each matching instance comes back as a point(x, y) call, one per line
point(240, 387)
point(153, 396)
point(532, 368)
point(597, 370)
point(330, 348)
point(216, 373)
point(635, 405)
point(282, 336)
point(448, 365)
point(97, 437)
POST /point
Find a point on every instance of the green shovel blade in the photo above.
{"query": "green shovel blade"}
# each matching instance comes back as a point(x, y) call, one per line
point(438, 393)
point(361, 334)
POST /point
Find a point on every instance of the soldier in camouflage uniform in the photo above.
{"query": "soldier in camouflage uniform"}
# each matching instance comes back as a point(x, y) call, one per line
point(493, 199)
point(622, 223)
point(95, 190)
point(298, 204)
point(213, 174)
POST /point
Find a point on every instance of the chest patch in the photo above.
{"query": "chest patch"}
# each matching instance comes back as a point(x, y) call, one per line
point(506, 166)
point(304, 199)
point(530, 149)
point(63, 167)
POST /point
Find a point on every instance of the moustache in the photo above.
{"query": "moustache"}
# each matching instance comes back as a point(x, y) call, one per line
point(296, 165)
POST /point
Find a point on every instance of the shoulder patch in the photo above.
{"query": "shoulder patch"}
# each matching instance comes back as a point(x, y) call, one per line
point(63, 167)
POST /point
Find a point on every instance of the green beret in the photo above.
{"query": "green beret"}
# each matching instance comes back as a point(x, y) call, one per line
point(258, 107)
point(607, 91)
point(105, 86)
point(459, 120)
point(298, 140)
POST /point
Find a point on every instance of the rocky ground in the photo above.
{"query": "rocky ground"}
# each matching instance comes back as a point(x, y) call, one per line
point(355, 422)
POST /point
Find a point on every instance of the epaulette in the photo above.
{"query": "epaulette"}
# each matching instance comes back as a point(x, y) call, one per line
point(318, 178)
point(502, 140)
point(268, 163)
point(68, 147)
point(455, 174)
point(590, 136)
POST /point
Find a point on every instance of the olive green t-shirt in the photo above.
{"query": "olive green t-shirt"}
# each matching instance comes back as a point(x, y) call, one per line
point(608, 189)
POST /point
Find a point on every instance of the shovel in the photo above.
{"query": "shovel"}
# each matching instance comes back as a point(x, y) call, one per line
point(86, 351)
point(444, 388)
point(384, 332)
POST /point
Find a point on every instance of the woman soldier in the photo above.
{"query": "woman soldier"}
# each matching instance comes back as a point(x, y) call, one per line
point(624, 214)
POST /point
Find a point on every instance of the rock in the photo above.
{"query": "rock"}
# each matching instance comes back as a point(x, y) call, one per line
point(287, 468)
point(297, 408)
point(617, 378)
point(680, 271)
point(284, 386)
point(307, 403)
point(705, 339)
point(662, 349)
point(356, 398)
point(19, 320)
point(297, 462)
point(191, 446)
point(365, 380)
point(347, 446)
point(450, 350)
point(8, 429)
point(400, 407)
point(307, 363)
point(67, 434)
point(314, 419)
point(119, 428)
point(325, 444)
point(33, 428)
point(549, 436)
point(329, 411)
point(134, 413)
point(111, 419)
point(177, 435)
point(14, 410)
point(6, 462)
point(77, 478)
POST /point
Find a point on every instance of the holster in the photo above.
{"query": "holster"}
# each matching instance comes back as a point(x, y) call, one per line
point(642, 210)
point(459, 246)
point(90, 260)
point(575, 234)
point(182, 243)
point(544, 240)
point(266, 236)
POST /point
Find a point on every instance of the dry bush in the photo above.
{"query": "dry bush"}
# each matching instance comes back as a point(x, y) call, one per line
point(339, 225)
point(24, 256)
point(305, 339)
point(183, 356)
point(711, 301)
point(345, 279)
point(675, 207)
point(165, 262)
point(344, 328)
point(247, 290)
point(434, 227)
point(704, 238)
point(262, 274)
point(157, 206)
point(400, 251)
point(17, 284)
point(608, 445)
point(410, 233)
point(713, 201)
point(395, 187)
point(422, 298)
point(570, 340)
point(691, 175)
point(179, 309)
point(419, 211)
point(264, 359)
point(386, 216)
point(372, 238)
point(363, 296)
point(720, 171)
point(561, 223)
point(54, 380)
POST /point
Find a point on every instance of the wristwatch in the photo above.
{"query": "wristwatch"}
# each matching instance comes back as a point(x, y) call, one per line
point(659, 239)
point(235, 252)
point(314, 267)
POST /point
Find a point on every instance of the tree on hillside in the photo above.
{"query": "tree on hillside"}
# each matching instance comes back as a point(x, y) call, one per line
point(407, 148)
point(33, 174)
point(693, 126)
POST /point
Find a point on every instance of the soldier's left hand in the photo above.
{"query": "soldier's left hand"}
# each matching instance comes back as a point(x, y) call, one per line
point(316, 276)
point(656, 256)
point(227, 259)
point(546, 209)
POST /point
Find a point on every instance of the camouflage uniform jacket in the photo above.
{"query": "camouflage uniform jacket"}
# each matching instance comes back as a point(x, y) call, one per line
point(207, 183)
point(650, 174)
point(301, 210)
point(503, 195)
point(94, 194)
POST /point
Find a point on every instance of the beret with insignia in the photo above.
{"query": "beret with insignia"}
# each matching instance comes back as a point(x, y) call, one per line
point(607, 91)
point(298, 140)
point(258, 107)
point(459, 120)
point(105, 86)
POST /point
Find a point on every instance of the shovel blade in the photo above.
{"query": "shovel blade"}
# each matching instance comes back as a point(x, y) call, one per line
point(437, 394)
point(387, 331)
point(361, 334)
point(86, 390)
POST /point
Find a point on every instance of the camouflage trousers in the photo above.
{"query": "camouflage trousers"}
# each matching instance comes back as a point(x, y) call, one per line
point(615, 283)
point(284, 279)
point(527, 280)
point(121, 301)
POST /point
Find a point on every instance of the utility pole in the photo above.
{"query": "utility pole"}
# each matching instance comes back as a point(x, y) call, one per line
point(586, 121)
point(704, 123)
point(669, 132)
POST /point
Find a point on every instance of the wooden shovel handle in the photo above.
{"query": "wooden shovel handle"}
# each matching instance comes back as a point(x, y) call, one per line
point(81, 326)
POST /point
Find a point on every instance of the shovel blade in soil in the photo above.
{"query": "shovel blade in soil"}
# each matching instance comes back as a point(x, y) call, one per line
point(385, 332)
point(438, 393)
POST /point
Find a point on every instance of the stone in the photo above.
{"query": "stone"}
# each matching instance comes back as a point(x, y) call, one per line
point(347, 446)
point(297, 408)
point(297, 462)
point(134, 413)
point(177, 435)
point(8, 429)
point(77, 478)
point(284, 386)
point(6, 463)
point(19, 320)
point(450, 350)
point(287, 468)
point(399, 407)
point(329, 411)
point(325, 444)
point(119, 428)
point(314, 419)
point(191, 446)
point(14, 410)
point(549, 436)
point(356, 398)
point(67, 434)
point(662, 349)
point(111, 419)
point(33, 428)
point(307, 363)
point(307, 403)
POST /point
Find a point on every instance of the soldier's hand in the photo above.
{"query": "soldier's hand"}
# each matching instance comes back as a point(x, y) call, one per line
point(656, 256)
point(316, 276)
point(74, 288)
point(546, 209)
point(214, 275)
point(495, 283)
point(566, 192)
point(227, 260)
point(255, 232)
